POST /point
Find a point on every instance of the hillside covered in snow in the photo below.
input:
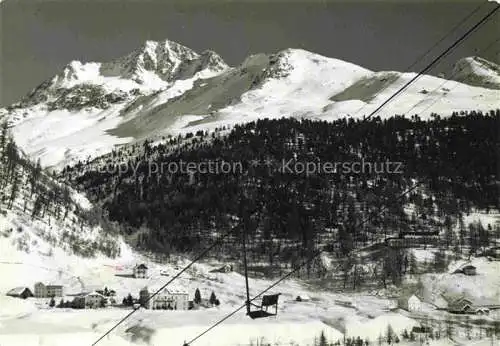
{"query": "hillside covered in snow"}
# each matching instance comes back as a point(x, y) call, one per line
point(164, 88)
point(43, 220)
point(478, 72)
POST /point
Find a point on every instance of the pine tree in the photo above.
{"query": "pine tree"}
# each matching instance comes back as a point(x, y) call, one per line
point(389, 334)
point(3, 139)
point(462, 232)
point(129, 300)
point(14, 188)
point(449, 329)
point(322, 339)
point(52, 302)
point(413, 263)
point(213, 298)
point(197, 296)
point(405, 335)
point(35, 176)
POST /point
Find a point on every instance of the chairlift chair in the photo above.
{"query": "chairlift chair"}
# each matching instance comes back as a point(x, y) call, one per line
point(267, 300)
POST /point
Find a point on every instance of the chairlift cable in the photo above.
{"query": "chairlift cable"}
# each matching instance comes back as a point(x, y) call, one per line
point(203, 253)
point(448, 50)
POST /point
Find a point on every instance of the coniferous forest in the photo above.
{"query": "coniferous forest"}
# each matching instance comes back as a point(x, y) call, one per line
point(287, 216)
point(25, 186)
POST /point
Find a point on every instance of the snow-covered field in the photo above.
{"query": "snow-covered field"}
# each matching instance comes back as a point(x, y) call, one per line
point(32, 322)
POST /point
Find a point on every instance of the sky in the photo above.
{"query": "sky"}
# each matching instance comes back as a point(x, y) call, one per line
point(38, 38)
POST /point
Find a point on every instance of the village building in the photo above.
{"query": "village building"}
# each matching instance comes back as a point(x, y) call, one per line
point(460, 305)
point(48, 291)
point(140, 271)
point(20, 292)
point(466, 269)
point(410, 303)
point(90, 300)
point(167, 299)
point(467, 305)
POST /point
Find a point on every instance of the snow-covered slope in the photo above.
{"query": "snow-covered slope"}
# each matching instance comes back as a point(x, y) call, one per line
point(28, 322)
point(166, 88)
point(477, 71)
point(67, 117)
point(483, 287)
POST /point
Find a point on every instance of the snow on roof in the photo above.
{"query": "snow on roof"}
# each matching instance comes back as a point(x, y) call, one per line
point(93, 293)
point(469, 266)
point(408, 294)
point(169, 289)
point(176, 290)
point(52, 284)
point(476, 301)
point(17, 290)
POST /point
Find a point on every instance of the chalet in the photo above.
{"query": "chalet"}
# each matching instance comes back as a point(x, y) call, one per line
point(466, 269)
point(166, 299)
point(461, 305)
point(410, 303)
point(467, 305)
point(20, 292)
point(90, 300)
point(48, 291)
point(140, 271)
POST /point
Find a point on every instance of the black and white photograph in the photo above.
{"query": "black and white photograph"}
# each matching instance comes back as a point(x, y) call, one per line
point(249, 172)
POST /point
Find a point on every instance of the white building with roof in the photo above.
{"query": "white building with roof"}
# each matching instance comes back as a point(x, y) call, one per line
point(90, 300)
point(170, 298)
point(411, 303)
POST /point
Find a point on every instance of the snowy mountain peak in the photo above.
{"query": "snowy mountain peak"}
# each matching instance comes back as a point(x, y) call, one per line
point(162, 61)
point(74, 73)
point(153, 66)
point(477, 71)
